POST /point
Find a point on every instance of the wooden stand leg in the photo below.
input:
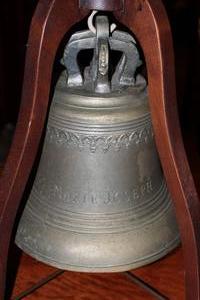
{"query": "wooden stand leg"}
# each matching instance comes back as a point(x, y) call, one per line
point(43, 42)
point(148, 20)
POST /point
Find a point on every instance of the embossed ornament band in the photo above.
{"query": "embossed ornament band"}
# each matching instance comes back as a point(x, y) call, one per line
point(96, 142)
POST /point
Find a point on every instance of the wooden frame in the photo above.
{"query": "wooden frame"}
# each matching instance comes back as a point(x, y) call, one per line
point(148, 20)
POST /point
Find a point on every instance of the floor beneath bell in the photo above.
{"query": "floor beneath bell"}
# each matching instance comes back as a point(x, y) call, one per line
point(161, 280)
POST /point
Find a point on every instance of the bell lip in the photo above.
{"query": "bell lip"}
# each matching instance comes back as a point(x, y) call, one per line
point(109, 269)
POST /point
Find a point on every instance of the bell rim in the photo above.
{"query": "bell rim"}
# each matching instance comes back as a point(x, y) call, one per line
point(144, 261)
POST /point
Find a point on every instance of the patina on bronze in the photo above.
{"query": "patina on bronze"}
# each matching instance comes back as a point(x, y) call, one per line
point(99, 202)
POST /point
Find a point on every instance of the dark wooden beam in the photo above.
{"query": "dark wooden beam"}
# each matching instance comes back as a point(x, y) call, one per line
point(111, 5)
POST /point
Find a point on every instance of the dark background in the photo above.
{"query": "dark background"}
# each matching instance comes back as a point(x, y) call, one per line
point(15, 18)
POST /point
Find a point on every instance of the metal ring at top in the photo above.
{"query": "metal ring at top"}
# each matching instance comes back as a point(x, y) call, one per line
point(92, 27)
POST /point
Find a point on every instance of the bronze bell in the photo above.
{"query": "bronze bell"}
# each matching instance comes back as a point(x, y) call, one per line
point(99, 202)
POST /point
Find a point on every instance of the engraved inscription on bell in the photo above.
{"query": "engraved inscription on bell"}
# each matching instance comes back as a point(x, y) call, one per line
point(107, 197)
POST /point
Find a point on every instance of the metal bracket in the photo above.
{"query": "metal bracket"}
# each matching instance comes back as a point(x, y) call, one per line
point(101, 41)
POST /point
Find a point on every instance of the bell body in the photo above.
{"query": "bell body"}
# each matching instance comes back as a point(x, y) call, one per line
point(99, 202)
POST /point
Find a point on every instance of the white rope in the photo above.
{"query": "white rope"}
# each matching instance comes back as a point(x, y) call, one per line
point(92, 27)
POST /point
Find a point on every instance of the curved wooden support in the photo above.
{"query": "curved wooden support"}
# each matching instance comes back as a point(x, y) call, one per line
point(148, 20)
point(42, 46)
